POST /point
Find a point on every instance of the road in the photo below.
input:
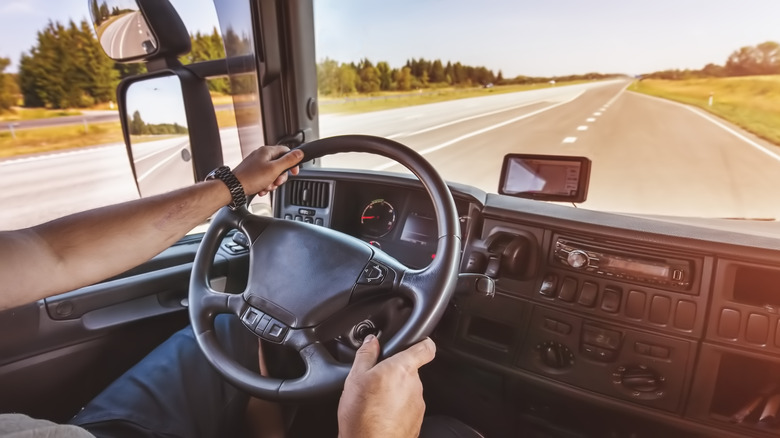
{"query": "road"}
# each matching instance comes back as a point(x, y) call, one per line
point(128, 36)
point(650, 156)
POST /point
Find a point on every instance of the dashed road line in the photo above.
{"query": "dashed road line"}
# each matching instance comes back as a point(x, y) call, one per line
point(569, 139)
point(582, 128)
point(597, 113)
point(590, 119)
point(427, 151)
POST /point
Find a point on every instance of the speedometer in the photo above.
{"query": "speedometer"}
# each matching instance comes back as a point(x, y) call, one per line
point(378, 218)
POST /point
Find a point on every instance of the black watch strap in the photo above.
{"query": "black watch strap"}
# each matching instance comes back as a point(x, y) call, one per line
point(224, 174)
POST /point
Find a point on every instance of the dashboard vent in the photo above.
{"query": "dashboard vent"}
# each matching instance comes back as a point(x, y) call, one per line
point(314, 194)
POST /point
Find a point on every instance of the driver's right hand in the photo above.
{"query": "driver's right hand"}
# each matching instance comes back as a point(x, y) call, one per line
point(384, 399)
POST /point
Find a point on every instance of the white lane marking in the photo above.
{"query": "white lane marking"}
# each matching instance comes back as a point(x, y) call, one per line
point(615, 97)
point(158, 165)
point(162, 151)
point(597, 113)
point(582, 128)
point(60, 154)
point(714, 121)
point(590, 119)
point(569, 139)
point(466, 119)
point(479, 132)
point(126, 25)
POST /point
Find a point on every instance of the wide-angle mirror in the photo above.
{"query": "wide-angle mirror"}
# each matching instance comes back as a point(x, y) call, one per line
point(159, 135)
point(122, 29)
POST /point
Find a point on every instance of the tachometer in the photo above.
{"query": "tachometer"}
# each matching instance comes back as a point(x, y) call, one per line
point(378, 218)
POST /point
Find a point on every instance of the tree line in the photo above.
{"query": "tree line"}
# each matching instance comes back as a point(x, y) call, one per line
point(339, 79)
point(66, 68)
point(137, 126)
point(761, 59)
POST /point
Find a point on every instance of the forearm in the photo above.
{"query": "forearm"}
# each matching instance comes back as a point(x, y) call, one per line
point(90, 246)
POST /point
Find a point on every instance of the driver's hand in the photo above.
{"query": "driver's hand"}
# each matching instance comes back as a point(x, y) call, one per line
point(385, 399)
point(265, 168)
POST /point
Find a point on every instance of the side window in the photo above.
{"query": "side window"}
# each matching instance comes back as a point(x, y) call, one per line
point(61, 143)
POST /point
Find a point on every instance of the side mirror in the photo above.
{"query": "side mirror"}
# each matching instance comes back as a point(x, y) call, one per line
point(139, 30)
point(159, 135)
point(122, 29)
point(170, 129)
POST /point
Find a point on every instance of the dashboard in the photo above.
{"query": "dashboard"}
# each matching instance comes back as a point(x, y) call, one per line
point(673, 323)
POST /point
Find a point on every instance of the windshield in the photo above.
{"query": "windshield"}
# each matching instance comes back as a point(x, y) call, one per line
point(677, 104)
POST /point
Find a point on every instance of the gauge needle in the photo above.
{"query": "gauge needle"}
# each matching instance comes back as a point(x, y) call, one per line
point(369, 217)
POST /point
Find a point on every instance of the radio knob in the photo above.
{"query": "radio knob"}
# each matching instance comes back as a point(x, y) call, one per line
point(577, 259)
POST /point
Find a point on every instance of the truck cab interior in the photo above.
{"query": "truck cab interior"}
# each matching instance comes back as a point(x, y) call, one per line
point(549, 320)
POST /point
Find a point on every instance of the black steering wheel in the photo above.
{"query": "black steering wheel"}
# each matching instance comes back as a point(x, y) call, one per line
point(303, 279)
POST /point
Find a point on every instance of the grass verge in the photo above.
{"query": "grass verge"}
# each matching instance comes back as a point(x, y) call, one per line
point(361, 104)
point(56, 138)
point(750, 102)
point(19, 113)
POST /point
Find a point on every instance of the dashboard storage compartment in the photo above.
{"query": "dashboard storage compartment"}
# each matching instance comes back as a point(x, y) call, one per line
point(738, 388)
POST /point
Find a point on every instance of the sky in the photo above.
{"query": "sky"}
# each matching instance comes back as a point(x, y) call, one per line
point(534, 38)
point(157, 100)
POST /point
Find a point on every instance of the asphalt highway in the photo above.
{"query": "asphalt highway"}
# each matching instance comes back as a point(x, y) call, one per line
point(650, 156)
point(125, 37)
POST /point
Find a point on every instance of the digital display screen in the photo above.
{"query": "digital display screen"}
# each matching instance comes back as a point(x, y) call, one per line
point(625, 265)
point(545, 177)
point(418, 229)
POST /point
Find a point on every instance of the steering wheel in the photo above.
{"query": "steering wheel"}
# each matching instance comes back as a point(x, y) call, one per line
point(303, 279)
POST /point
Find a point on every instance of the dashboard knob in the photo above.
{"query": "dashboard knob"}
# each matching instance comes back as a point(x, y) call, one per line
point(641, 379)
point(555, 355)
point(578, 259)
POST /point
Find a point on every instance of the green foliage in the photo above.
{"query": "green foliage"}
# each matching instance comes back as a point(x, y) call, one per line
point(66, 68)
point(761, 59)
point(139, 127)
point(9, 90)
point(207, 47)
point(365, 77)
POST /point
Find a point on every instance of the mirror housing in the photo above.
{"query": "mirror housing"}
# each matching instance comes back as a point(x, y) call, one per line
point(139, 30)
point(545, 177)
point(193, 115)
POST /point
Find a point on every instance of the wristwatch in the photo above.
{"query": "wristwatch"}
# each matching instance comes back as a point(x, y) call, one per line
point(224, 174)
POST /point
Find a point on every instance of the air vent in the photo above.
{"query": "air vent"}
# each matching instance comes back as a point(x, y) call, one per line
point(314, 194)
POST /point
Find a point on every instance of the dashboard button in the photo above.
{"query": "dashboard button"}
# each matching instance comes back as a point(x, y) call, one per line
point(610, 302)
point(728, 326)
point(685, 315)
point(548, 285)
point(568, 290)
point(318, 221)
point(563, 328)
point(659, 352)
point(494, 264)
point(275, 331)
point(635, 304)
point(757, 328)
point(642, 348)
point(374, 273)
point(601, 337)
point(251, 317)
point(588, 294)
point(660, 307)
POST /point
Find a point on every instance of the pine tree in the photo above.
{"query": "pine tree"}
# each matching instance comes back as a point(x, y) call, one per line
point(66, 68)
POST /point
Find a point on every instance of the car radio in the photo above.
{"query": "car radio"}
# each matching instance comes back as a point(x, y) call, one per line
point(611, 263)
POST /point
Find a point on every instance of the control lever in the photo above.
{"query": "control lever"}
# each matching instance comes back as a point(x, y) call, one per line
point(479, 284)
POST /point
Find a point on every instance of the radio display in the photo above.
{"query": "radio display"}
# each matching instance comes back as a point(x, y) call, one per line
point(635, 267)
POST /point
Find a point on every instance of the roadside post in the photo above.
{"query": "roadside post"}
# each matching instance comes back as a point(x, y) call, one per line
point(709, 102)
point(11, 128)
